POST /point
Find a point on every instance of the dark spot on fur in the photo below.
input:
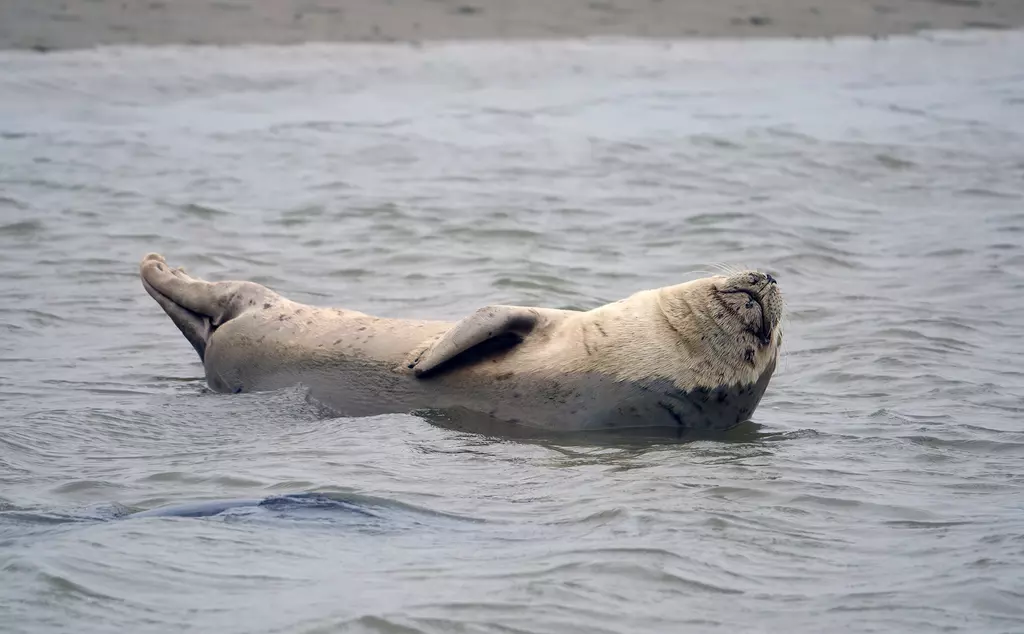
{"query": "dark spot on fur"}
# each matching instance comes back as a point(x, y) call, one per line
point(337, 341)
point(266, 305)
point(671, 412)
point(309, 321)
point(362, 328)
point(299, 311)
point(281, 317)
point(252, 302)
point(601, 330)
point(749, 355)
point(505, 375)
point(237, 390)
point(516, 395)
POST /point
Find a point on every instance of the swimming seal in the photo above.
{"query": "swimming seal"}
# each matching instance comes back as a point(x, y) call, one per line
point(696, 357)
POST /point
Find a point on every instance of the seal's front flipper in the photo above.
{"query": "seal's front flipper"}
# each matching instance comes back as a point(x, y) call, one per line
point(491, 327)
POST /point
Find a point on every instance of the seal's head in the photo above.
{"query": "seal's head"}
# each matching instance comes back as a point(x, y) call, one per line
point(730, 325)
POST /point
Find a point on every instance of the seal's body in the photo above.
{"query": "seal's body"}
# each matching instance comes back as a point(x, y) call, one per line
point(694, 357)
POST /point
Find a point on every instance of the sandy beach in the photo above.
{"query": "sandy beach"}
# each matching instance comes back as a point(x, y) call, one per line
point(62, 24)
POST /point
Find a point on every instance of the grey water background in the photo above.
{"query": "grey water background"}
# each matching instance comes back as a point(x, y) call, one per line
point(882, 182)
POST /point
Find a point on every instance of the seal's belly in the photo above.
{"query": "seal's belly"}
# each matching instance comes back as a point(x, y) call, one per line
point(662, 404)
point(598, 402)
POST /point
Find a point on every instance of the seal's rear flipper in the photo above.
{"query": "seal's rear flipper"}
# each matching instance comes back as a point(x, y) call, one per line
point(195, 326)
point(198, 307)
point(490, 327)
point(211, 299)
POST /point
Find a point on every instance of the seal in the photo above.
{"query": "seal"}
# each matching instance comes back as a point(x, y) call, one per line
point(694, 357)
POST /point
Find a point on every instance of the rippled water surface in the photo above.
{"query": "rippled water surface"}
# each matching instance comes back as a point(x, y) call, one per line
point(881, 490)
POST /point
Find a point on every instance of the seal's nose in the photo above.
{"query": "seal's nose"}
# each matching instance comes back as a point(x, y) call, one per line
point(771, 280)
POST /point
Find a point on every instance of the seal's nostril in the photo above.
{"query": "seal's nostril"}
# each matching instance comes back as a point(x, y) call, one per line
point(771, 280)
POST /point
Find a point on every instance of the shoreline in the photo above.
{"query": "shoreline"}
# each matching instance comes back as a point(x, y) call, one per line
point(45, 25)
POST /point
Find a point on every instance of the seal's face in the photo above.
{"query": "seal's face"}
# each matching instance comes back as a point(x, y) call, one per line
point(731, 326)
point(752, 306)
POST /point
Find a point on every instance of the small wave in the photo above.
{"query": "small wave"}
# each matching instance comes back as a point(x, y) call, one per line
point(989, 193)
point(894, 162)
point(309, 505)
point(511, 234)
point(23, 228)
point(206, 212)
point(338, 510)
point(968, 444)
point(912, 418)
point(350, 273)
point(81, 486)
point(813, 261)
point(13, 202)
point(537, 282)
point(724, 217)
point(30, 516)
point(62, 585)
point(925, 524)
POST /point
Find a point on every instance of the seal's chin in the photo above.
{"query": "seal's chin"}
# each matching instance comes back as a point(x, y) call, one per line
point(754, 300)
point(751, 313)
point(764, 332)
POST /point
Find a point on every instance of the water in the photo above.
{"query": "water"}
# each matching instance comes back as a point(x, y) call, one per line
point(881, 182)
